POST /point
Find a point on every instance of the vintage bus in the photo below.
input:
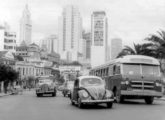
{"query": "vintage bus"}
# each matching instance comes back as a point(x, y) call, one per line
point(132, 76)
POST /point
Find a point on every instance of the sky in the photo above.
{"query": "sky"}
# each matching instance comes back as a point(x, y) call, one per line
point(130, 20)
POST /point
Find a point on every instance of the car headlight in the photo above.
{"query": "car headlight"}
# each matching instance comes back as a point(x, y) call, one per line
point(85, 94)
point(125, 82)
point(109, 94)
point(158, 84)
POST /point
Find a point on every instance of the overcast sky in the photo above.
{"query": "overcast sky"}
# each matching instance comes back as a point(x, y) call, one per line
point(130, 20)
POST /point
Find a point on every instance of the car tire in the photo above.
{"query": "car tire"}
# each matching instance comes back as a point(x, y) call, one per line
point(80, 104)
point(72, 103)
point(38, 95)
point(149, 100)
point(109, 104)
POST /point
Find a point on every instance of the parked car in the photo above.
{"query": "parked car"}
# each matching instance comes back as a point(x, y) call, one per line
point(91, 90)
point(45, 85)
point(68, 87)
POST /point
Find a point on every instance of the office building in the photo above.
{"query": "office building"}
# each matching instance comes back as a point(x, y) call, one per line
point(99, 45)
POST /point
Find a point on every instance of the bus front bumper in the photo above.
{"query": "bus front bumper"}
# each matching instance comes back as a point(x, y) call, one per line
point(141, 93)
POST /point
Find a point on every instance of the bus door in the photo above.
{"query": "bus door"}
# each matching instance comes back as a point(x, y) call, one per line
point(116, 77)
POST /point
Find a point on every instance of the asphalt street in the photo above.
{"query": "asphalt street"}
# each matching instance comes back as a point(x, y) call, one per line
point(29, 107)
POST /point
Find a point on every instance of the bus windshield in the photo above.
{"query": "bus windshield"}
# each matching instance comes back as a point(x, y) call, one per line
point(148, 70)
point(143, 69)
point(131, 69)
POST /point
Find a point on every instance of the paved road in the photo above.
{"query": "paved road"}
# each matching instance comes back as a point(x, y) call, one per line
point(29, 107)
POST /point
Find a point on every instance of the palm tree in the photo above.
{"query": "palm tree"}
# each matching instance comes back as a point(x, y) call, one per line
point(158, 45)
point(139, 49)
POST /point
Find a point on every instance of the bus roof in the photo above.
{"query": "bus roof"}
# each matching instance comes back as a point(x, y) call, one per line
point(141, 59)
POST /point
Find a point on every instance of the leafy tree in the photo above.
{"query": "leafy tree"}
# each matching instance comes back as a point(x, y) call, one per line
point(30, 81)
point(157, 42)
point(7, 75)
point(138, 49)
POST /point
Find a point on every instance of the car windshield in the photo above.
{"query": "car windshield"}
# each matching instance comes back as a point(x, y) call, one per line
point(91, 82)
point(143, 69)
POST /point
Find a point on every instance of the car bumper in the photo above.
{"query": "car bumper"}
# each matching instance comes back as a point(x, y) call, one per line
point(97, 101)
point(44, 92)
point(142, 93)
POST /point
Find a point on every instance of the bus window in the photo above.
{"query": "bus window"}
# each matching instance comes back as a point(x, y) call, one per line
point(110, 70)
point(131, 69)
point(116, 69)
point(148, 70)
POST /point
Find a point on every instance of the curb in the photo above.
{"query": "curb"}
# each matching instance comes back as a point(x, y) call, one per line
point(2, 94)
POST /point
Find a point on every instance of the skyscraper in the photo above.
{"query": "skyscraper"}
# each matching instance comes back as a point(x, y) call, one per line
point(99, 44)
point(70, 35)
point(50, 44)
point(87, 45)
point(116, 47)
point(26, 26)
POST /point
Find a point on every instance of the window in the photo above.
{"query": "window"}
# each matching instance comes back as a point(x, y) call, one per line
point(116, 69)
point(131, 69)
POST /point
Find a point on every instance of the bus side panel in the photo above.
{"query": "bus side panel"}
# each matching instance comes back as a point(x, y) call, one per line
point(114, 82)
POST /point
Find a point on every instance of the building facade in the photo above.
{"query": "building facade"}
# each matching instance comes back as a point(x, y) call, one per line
point(116, 47)
point(70, 33)
point(99, 45)
point(50, 44)
point(7, 40)
point(26, 26)
point(87, 45)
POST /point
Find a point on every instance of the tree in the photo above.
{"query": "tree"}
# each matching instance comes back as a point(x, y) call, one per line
point(139, 49)
point(157, 42)
point(7, 75)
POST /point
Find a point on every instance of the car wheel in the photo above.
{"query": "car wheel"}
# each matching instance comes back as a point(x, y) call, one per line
point(149, 100)
point(38, 95)
point(80, 105)
point(109, 104)
point(72, 103)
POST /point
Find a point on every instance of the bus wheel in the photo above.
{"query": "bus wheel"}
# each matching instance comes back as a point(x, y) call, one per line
point(119, 99)
point(149, 100)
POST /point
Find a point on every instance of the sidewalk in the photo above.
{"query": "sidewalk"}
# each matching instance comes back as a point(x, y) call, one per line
point(3, 94)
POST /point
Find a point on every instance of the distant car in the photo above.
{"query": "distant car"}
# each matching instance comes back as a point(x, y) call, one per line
point(91, 90)
point(60, 88)
point(45, 86)
point(68, 86)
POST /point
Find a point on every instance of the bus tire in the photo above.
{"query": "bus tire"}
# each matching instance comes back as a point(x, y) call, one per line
point(149, 100)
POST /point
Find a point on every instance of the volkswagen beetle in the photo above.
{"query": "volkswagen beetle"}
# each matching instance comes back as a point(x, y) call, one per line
point(91, 90)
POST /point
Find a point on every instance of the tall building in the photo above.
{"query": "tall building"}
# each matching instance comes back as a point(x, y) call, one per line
point(70, 33)
point(99, 46)
point(87, 45)
point(7, 39)
point(116, 47)
point(26, 26)
point(50, 44)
